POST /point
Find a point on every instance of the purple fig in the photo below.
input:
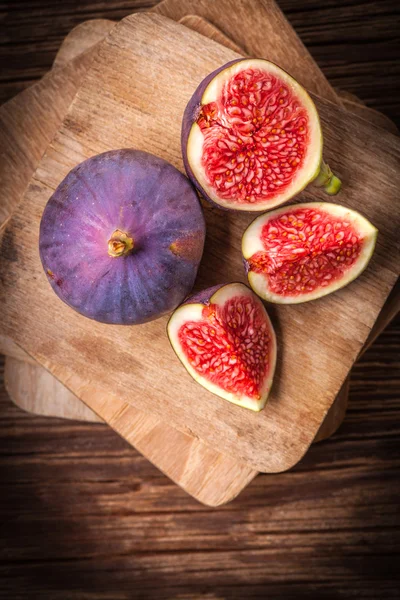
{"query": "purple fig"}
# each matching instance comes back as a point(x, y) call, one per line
point(122, 237)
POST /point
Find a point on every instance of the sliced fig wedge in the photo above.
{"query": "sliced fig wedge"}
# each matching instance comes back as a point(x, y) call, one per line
point(225, 340)
point(302, 252)
point(251, 137)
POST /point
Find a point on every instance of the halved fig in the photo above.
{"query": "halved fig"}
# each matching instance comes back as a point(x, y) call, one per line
point(251, 137)
point(122, 237)
point(225, 340)
point(298, 253)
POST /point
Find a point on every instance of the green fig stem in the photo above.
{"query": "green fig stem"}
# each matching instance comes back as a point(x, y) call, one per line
point(327, 180)
point(120, 244)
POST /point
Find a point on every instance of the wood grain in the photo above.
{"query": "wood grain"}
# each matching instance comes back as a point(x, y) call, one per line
point(82, 38)
point(265, 21)
point(27, 127)
point(273, 430)
point(39, 392)
point(85, 516)
point(10, 349)
point(203, 26)
point(369, 114)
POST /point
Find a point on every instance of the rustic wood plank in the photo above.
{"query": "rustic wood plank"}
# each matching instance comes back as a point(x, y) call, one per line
point(370, 114)
point(181, 416)
point(203, 26)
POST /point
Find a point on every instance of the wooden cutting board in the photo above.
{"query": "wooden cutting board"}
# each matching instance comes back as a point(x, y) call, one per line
point(219, 479)
point(82, 38)
point(37, 391)
point(308, 379)
point(34, 389)
point(64, 403)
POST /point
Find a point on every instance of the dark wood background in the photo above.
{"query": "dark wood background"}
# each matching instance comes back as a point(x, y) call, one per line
point(85, 517)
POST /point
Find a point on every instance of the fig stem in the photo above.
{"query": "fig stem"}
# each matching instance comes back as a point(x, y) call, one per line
point(120, 244)
point(327, 180)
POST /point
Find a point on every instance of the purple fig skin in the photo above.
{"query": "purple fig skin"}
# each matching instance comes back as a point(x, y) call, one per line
point(153, 203)
point(189, 117)
point(204, 296)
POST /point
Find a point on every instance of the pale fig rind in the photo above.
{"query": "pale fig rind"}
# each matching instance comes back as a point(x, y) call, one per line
point(192, 312)
point(192, 140)
point(362, 232)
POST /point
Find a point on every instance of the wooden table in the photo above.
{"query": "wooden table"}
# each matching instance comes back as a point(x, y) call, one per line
point(83, 516)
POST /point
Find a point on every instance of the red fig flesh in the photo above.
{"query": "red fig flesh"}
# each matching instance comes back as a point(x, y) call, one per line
point(226, 342)
point(251, 137)
point(305, 251)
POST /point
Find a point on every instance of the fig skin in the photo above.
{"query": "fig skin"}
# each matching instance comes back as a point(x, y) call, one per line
point(122, 237)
